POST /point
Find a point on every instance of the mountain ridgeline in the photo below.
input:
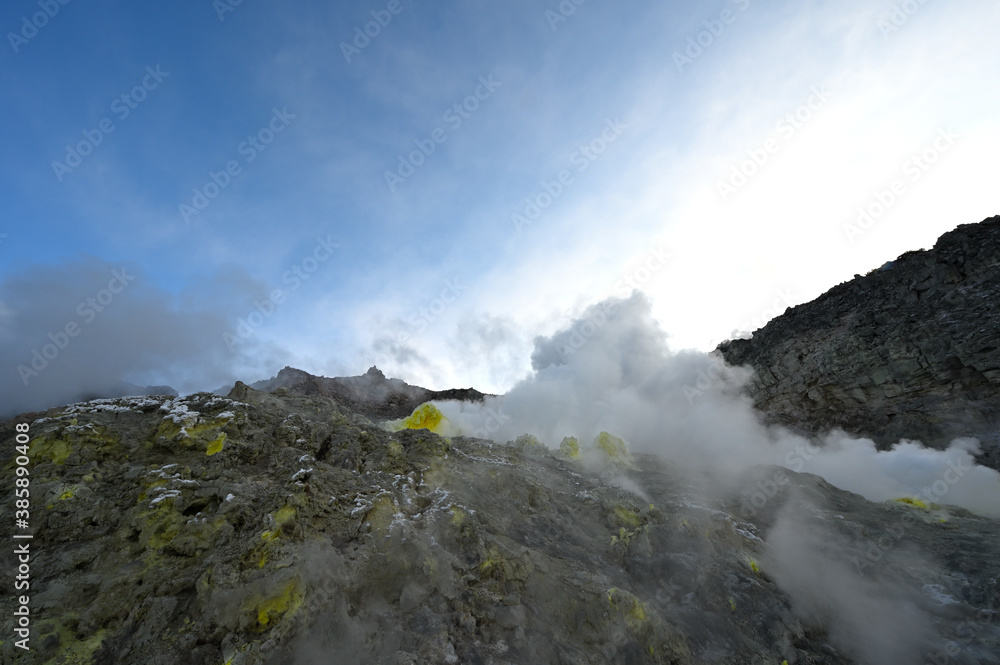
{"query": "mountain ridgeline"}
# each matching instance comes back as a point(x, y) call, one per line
point(371, 394)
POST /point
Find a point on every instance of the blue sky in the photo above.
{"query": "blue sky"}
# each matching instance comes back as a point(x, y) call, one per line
point(625, 127)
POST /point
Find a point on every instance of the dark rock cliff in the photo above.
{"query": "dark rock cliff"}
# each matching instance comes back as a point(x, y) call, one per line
point(909, 350)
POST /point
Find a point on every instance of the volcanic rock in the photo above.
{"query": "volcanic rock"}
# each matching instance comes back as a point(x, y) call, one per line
point(280, 529)
point(371, 394)
point(910, 350)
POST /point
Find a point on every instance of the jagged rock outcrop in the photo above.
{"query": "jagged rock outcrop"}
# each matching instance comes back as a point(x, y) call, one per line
point(371, 394)
point(910, 350)
point(285, 529)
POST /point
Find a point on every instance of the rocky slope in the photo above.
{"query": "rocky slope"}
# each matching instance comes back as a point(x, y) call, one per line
point(280, 528)
point(911, 350)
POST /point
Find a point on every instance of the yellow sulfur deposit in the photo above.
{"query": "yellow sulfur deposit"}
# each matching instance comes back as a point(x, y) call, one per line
point(911, 501)
point(631, 607)
point(56, 450)
point(281, 517)
point(570, 447)
point(614, 448)
point(425, 416)
point(217, 445)
point(285, 602)
point(626, 516)
point(528, 442)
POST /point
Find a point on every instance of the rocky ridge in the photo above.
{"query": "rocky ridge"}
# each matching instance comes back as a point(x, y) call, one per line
point(910, 350)
point(371, 394)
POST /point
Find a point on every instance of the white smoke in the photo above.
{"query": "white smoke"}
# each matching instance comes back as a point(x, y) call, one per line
point(876, 621)
point(612, 370)
point(80, 328)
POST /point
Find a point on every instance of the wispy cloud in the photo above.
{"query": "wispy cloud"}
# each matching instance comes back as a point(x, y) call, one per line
point(656, 185)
